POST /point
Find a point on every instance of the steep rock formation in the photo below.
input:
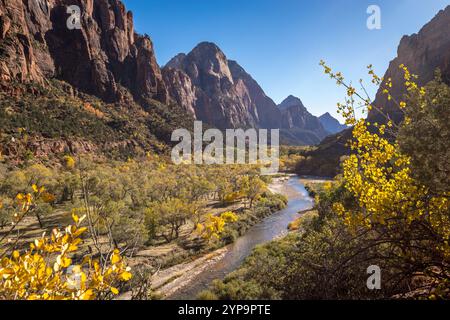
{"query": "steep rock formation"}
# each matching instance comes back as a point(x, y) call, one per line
point(268, 113)
point(422, 53)
point(181, 89)
point(295, 115)
point(105, 57)
point(218, 91)
point(221, 93)
point(331, 124)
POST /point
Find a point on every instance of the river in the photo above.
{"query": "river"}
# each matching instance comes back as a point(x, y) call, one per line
point(268, 229)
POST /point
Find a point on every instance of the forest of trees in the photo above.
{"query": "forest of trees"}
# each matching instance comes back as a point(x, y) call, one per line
point(117, 208)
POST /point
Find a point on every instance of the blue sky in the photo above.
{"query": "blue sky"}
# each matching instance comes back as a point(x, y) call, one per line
point(280, 42)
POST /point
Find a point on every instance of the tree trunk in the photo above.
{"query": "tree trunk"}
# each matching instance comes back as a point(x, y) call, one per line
point(39, 220)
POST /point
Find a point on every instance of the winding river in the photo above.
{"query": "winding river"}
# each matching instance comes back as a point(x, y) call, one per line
point(268, 229)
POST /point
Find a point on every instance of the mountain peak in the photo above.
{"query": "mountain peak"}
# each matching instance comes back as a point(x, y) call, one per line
point(206, 45)
point(207, 50)
point(176, 61)
point(291, 101)
point(203, 54)
point(331, 124)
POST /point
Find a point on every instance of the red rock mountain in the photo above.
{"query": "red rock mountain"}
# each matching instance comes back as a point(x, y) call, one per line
point(97, 89)
point(105, 57)
point(220, 92)
point(298, 124)
point(295, 115)
point(422, 53)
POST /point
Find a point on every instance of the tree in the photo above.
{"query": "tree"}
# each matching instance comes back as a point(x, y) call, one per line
point(223, 188)
point(33, 276)
point(409, 216)
point(252, 187)
point(214, 226)
point(425, 137)
point(172, 215)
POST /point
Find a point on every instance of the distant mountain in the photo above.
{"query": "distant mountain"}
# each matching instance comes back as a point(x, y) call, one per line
point(218, 91)
point(331, 124)
point(297, 119)
point(295, 115)
point(221, 93)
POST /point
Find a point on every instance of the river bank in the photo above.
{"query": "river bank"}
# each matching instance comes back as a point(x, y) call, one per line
point(173, 265)
point(186, 280)
point(166, 282)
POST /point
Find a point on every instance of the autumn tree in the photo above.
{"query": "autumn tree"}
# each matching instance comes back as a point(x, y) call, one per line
point(171, 214)
point(214, 225)
point(46, 271)
point(409, 216)
point(252, 187)
point(425, 137)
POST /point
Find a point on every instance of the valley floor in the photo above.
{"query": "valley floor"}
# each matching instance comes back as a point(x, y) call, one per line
point(166, 283)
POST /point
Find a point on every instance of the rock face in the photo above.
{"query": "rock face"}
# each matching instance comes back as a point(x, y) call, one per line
point(105, 57)
point(268, 114)
point(422, 53)
point(331, 124)
point(221, 93)
point(295, 115)
point(218, 91)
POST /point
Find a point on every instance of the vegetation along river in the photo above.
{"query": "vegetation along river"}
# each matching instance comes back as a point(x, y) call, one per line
point(269, 229)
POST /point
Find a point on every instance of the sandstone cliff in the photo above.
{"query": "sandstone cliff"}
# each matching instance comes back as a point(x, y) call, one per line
point(221, 93)
point(97, 89)
point(218, 91)
point(105, 57)
point(422, 53)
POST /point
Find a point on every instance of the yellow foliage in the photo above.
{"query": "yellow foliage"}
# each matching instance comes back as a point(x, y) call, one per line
point(46, 271)
point(380, 178)
point(89, 108)
point(215, 225)
point(69, 162)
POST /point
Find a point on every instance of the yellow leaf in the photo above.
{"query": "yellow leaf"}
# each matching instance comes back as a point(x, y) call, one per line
point(16, 254)
point(76, 269)
point(63, 261)
point(87, 295)
point(115, 258)
point(125, 276)
point(35, 188)
point(79, 231)
point(114, 290)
